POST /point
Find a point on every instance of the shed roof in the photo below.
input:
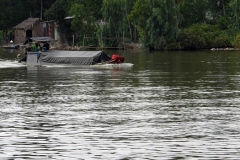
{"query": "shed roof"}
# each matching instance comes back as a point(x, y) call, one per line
point(26, 24)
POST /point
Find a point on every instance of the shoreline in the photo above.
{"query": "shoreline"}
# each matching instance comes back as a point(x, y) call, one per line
point(129, 46)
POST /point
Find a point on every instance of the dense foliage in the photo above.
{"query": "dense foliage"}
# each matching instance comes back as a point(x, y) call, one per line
point(157, 24)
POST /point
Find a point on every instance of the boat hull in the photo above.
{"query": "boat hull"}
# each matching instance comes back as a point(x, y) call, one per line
point(71, 57)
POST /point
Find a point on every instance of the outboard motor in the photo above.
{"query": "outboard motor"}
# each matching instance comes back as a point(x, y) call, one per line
point(33, 58)
point(117, 59)
point(115, 56)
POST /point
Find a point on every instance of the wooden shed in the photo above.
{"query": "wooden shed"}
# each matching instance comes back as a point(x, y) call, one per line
point(31, 27)
point(50, 29)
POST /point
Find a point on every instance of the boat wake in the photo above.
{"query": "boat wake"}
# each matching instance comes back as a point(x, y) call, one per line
point(10, 64)
point(97, 66)
point(16, 64)
point(113, 66)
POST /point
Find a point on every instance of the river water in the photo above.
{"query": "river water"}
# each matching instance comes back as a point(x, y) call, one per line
point(167, 106)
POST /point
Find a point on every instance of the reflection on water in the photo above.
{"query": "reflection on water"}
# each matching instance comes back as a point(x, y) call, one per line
point(169, 106)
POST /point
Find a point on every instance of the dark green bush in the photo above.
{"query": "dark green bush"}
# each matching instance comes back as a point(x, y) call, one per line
point(1, 33)
point(174, 46)
point(221, 41)
point(236, 42)
point(223, 23)
point(190, 40)
point(203, 28)
point(203, 36)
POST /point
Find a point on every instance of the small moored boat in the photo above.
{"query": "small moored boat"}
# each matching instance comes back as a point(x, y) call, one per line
point(11, 47)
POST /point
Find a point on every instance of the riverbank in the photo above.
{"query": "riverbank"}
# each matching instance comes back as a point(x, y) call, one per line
point(225, 49)
point(126, 46)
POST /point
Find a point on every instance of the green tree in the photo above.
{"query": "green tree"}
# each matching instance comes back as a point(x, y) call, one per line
point(194, 12)
point(86, 19)
point(58, 12)
point(115, 18)
point(83, 22)
point(15, 11)
point(9, 15)
point(157, 21)
point(162, 26)
point(234, 5)
point(139, 16)
point(131, 28)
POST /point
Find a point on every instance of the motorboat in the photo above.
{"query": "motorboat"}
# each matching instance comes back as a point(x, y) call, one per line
point(71, 57)
point(51, 57)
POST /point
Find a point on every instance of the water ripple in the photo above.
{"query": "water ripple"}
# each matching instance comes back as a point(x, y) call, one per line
point(72, 113)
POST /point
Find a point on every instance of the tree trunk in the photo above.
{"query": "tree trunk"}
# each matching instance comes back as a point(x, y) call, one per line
point(176, 16)
point(41, 9)
point(129, 25)
point(135, 32)
point(223, 5)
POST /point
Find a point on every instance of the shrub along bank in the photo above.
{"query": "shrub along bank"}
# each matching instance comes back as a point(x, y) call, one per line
point(204, 36)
